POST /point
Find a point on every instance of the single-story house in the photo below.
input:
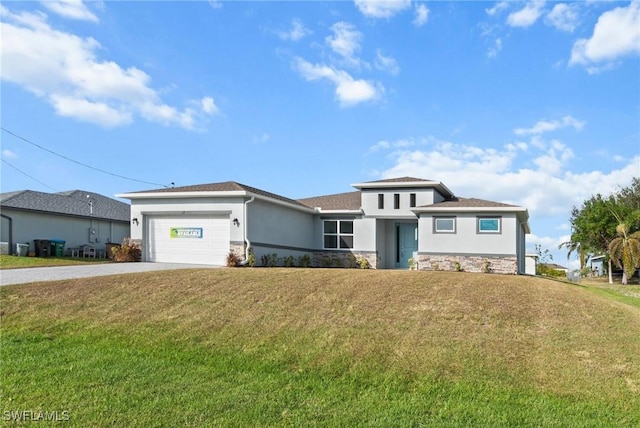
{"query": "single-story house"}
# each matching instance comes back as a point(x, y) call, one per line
point(77, 217)
point(391, 223)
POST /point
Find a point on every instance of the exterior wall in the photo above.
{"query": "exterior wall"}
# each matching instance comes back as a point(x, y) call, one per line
point(28, 226)
point(471, 250)
point(370, 201)
point(466, 240)
point(468, 263)
point(279, 226)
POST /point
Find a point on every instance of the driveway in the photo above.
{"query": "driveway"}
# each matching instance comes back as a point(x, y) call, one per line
point(22, 276)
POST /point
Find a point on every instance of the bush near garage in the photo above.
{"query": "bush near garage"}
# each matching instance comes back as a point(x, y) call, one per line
point(129, 251)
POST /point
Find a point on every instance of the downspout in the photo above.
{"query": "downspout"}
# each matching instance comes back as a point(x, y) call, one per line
point(10, 230)
point(246, 238)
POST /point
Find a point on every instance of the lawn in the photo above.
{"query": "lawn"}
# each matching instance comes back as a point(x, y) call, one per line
point(319, 347)
point(15, 262)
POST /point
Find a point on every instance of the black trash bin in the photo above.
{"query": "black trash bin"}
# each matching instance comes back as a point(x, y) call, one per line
point(57, 247)
point(43, 247)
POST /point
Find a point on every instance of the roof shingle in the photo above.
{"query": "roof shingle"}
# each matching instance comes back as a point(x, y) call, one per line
point(72, 202)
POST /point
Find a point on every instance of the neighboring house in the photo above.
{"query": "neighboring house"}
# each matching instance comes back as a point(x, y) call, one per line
point(388, 222)
point(77, 217)
point(597, 265)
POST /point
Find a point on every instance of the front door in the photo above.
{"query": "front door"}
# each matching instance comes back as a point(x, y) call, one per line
point(406, 243)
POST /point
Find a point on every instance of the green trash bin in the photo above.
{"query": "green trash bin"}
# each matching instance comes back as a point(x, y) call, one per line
point(57, 247)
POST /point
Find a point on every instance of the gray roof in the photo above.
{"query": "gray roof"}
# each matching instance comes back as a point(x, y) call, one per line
point(72, 202)
point(399, 180)
point(456, 202)
point(226, 186)
point(338, 201)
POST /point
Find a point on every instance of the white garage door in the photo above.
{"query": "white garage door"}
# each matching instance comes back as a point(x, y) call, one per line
point(188, 239)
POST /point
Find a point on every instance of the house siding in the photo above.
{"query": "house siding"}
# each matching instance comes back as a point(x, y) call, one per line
point(27, 226)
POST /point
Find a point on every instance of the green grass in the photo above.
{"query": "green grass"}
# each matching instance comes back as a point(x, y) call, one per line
point(15, 262)
point(316, 347)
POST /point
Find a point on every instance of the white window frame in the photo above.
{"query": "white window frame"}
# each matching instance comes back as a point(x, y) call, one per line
point(479, 228)
point(338, 234)
point(436, 229)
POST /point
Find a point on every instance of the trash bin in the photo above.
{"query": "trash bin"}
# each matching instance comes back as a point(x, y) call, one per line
point(42, 247)
point(22, 249)
point(57, 247)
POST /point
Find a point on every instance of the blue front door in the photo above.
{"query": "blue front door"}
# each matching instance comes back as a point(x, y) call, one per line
point(406, 243)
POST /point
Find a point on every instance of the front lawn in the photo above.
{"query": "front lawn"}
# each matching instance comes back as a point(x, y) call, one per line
point(319, 347)
point(15, 262)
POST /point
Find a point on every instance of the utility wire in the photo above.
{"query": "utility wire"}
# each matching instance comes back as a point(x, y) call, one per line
point(27, 175)
point(76, 162)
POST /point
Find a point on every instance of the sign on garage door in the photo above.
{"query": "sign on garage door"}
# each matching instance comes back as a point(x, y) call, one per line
point(188, 239)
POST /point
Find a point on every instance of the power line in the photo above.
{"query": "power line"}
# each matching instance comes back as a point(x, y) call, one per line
point(27, 175)
point(79, 163)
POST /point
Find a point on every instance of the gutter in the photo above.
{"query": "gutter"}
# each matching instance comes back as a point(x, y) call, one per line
point(246, 238)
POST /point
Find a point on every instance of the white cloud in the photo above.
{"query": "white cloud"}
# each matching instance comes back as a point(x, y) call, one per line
point(548, 126)
point(345, 41)
point(545, 190)
point(421, 15)
point(9, 154)
point(382, 8)
point(63, 69)
point(297, 31)
point(72, 9)
point(263, 138)
point(563, 17)
point(216, 4)
point(495, 49)
point(349, 91)
point(209, 106)
point(616, 34)
point(386, 63)
point(497, 8)
point(526, 16)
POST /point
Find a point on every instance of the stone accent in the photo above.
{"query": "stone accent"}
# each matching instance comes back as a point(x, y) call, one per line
point(238, 249)
point(342, 259)
point(503, 265)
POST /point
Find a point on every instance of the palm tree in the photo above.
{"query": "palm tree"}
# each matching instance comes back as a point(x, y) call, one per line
point(575, 247)
point(625, 251)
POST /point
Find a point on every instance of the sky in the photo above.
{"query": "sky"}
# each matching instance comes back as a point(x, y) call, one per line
point(530, 103)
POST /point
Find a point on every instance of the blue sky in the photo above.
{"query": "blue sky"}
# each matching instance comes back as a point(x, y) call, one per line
point(530, 103)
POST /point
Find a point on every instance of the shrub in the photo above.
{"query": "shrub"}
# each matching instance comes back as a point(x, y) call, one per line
point(289, 261)
point(457, 267)
point(412, 263)
point(304, 261)
point(326, 261)
point(251, 259)
point(362, 262)
point(486, 266)
point(232, 259)
point(129, 251)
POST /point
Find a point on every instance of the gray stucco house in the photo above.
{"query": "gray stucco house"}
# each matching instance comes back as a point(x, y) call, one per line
point(388, 222)
point(78, 217)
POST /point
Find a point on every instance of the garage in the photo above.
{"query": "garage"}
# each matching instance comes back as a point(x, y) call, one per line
point(197, 239)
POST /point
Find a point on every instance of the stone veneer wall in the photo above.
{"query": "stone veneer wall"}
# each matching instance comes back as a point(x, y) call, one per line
point(342, 259)
point(504, 265)
point(238, 249)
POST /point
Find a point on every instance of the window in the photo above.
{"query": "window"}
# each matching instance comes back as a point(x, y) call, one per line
point(380, 201)
point(412, 200)
point(444, 225)
point(489, 224)
point(338, 234)
point(396, 201)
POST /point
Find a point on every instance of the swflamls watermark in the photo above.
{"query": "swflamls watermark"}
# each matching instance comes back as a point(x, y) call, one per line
point(35, 415)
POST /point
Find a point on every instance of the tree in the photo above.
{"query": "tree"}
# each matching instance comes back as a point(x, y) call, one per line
point(594, 224)
point(625, 251)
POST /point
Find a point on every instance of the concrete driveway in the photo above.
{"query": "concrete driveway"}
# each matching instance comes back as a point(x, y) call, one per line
point(22, 276)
